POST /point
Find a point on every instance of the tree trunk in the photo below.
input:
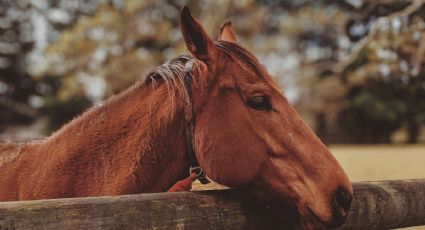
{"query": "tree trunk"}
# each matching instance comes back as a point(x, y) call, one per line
point(412, 130)
point(321, 129)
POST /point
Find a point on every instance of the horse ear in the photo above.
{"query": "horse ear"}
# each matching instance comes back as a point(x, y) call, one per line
point(226, 33)
point(197, 40)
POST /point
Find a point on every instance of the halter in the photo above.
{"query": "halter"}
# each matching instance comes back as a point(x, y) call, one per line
point(189, 116)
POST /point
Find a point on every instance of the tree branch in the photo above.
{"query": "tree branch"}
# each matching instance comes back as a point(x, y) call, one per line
point(362, 44)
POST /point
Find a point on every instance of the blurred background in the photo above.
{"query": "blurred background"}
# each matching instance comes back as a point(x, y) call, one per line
point(352, 68)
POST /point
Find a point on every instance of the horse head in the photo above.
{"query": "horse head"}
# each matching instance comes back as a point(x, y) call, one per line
point(247, 135)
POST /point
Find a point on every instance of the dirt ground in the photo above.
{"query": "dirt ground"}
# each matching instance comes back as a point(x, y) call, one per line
point(373, 162)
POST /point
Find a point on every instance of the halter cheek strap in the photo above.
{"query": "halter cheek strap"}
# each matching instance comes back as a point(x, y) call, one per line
point(190, 124)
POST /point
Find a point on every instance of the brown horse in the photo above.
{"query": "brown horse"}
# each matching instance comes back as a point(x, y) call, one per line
point(246, 135)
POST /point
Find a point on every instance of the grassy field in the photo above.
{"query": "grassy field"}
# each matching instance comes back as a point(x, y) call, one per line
point(381, 162)
point(374, 162)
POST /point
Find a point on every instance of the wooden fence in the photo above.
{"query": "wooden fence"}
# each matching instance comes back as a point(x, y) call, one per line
point(377, 205)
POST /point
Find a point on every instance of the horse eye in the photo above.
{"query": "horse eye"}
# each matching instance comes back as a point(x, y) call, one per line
point(260, 103)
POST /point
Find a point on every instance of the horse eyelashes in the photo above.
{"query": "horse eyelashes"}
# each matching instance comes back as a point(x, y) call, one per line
point(260, 103)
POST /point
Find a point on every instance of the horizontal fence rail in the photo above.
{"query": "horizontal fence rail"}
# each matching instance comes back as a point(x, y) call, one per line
point(376, 205)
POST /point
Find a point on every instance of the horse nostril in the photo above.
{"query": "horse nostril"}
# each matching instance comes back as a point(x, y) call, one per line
point(341, 205)
point(343, 199)
point(342, 202)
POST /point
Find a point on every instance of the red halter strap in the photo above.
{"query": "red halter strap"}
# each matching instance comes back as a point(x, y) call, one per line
point(183, 185)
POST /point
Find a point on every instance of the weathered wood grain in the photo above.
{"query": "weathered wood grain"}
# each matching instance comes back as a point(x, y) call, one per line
point(377, 205)
point(387, 204)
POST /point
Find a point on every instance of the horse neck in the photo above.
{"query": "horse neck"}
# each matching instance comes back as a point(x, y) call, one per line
point(9, 152)
point(140, 134)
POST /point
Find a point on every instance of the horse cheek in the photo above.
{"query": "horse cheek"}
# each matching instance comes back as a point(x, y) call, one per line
point(240, 162)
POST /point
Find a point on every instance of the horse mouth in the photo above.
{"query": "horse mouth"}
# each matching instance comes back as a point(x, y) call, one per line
point(320, 224)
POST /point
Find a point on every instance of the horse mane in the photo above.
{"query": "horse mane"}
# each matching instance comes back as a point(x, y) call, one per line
point(171, 72)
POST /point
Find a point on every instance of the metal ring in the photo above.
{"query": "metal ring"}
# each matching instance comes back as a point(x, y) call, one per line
point(196, 170)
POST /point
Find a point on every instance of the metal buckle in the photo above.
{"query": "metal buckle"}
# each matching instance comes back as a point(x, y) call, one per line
point(200, 175)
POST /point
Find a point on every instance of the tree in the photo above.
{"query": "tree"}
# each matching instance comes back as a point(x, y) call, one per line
point(386, 77)
point(372, 81)
point(26, 27)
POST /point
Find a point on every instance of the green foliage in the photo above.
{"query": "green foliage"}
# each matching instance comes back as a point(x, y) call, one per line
point(372, 113)
point(378, 108)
